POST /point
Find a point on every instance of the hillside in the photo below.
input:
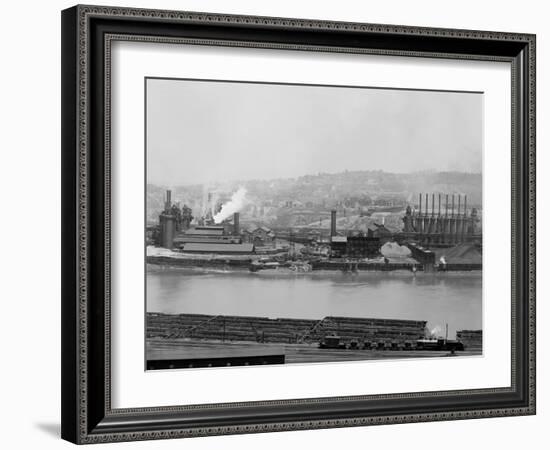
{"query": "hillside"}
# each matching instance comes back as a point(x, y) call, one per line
point(307, 199)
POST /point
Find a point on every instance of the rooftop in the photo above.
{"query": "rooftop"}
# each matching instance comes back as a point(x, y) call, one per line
point(339, 239)
point(218, 248)
point(207, 239)
point(205, 231)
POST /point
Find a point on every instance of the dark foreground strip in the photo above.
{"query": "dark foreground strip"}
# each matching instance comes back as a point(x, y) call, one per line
point(215, 362)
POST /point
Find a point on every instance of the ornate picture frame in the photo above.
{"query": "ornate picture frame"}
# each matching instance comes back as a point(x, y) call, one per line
point(87, 35)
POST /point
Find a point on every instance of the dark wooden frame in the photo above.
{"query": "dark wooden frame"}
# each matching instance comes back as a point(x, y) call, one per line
point(87, 31)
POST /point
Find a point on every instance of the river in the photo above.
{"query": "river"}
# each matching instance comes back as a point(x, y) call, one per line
point(440, 298)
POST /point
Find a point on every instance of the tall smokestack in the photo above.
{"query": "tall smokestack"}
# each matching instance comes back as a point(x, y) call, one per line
point(420, 203)
point(433, 203)
point(236, 229)
point(426, 203)
point(453, 206)
point(452, 222)
point(168, 202)
point(333, 222)
point(464, 221)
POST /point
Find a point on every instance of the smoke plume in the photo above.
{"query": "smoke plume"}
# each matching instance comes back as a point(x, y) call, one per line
point(237, 202)
point(434, 332)
point(394, 250)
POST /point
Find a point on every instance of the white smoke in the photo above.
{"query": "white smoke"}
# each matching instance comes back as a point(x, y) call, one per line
point(435, 332)
point(394, 250)
point(237, 202)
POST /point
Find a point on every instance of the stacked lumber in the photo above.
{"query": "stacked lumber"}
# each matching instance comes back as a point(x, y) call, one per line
point(472, 339)
point(282, 330)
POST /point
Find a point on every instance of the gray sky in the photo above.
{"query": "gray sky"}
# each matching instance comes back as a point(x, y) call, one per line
point(203, 132)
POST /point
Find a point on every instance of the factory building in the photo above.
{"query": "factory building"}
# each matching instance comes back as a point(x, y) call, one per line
point(167, 223)
point(381, 232)
point(259, 236)
point(175, 232)
point(355, 247)
point(338, 245)
point(206, 235)
point(172, 220)
point(359, 246)
point(206, 230)
point(432, 226)
point(421, 254)
point(218, 248)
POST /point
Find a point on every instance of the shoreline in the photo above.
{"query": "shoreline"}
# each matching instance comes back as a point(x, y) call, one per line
point(239, 265)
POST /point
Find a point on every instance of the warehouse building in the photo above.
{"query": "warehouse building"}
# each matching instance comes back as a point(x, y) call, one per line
point(352, 246)
point(355, 246)
point(218, 248)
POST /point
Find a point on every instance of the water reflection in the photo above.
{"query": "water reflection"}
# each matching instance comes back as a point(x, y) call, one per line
point(439, 298)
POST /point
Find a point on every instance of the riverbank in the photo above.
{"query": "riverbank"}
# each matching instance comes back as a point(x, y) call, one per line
point(232, 262)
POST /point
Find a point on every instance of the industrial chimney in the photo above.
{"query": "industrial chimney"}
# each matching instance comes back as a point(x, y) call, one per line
point(333, 223)
point(168, 202)
point(236, 229)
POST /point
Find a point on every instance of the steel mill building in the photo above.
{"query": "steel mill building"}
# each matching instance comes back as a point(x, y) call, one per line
point(434, 227)
point(175, 232)
point(358, 247)
point(430, 232)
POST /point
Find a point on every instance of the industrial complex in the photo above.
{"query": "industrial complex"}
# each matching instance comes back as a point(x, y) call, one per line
point(435, 236)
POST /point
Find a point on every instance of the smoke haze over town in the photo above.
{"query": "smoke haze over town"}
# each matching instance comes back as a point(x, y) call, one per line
point(267, 201)
point(270, 131)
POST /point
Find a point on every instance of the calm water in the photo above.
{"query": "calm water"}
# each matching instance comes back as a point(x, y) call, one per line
point(453, 298)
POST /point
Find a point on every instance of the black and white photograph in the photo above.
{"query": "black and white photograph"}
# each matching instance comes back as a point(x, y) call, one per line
point(296, 223)
point(275, 225)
